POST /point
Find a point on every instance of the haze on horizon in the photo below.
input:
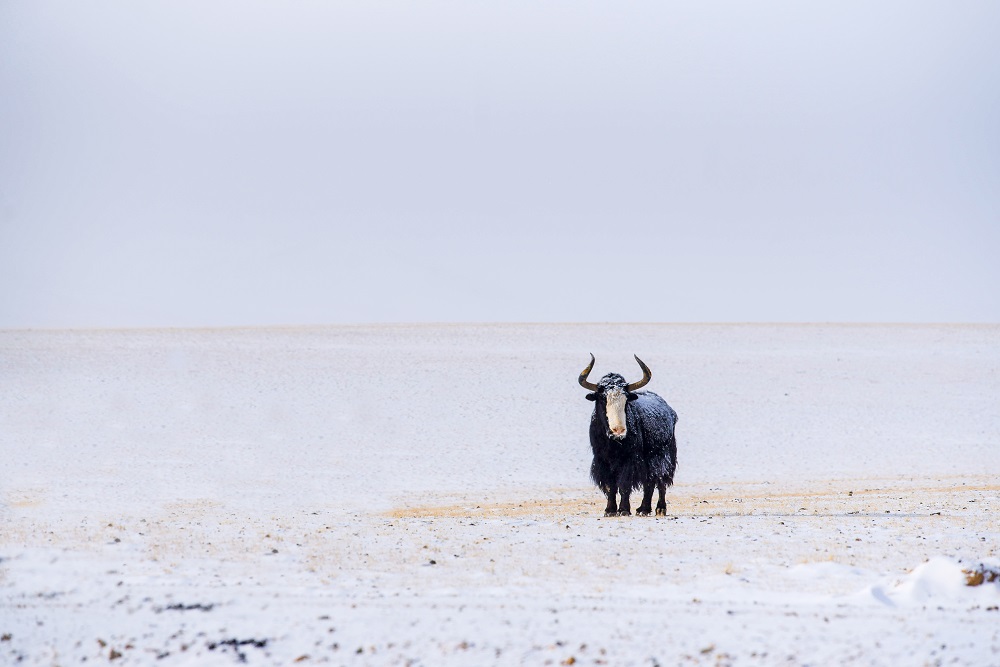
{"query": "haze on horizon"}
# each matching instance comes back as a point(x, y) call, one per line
point(241, 163)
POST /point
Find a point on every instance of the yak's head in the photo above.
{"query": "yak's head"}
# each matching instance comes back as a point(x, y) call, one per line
point(611, 395)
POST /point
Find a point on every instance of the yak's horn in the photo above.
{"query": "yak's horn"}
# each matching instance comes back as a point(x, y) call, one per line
point(646, 377)
point(583, 376)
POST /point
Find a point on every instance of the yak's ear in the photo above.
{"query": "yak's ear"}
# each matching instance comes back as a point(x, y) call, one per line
point(592, 396)
point(631, 397)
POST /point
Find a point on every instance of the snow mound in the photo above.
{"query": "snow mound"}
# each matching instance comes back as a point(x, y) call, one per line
point(941, 579)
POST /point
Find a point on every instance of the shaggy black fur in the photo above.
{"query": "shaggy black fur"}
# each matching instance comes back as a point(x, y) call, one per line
point(645, 457)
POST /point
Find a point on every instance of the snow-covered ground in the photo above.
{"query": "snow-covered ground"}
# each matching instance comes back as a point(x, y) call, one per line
point(420, 494)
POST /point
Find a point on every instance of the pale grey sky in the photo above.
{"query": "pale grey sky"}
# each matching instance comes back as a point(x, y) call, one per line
point(227, 163)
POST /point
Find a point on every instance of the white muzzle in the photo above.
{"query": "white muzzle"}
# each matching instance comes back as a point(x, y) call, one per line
point(616, 400)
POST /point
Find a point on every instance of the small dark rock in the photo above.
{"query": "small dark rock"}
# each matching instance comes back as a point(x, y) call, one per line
point(187, 607)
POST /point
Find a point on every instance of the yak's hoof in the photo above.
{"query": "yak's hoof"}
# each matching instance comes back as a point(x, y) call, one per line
point(642, 511)
point(610, 512)
point(624, 512)
point(661, 511)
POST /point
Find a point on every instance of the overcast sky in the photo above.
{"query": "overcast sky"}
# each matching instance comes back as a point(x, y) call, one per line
point(229, 163)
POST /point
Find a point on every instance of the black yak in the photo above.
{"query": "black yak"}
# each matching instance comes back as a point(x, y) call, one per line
point(632, 435)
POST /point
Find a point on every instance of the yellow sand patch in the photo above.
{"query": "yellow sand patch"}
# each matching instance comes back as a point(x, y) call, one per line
point(872, 497)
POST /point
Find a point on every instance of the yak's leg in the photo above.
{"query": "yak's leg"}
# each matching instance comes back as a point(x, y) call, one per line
point(661, 504)
point(624, 508)
point(647, 499)
point(612, 508)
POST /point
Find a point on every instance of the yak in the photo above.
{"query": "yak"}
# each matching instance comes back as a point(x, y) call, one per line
point(632, 437)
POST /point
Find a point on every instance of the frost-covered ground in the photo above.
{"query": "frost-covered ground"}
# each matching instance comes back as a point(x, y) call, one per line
point(419, 494)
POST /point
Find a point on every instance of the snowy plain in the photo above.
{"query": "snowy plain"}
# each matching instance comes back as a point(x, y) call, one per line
point(420, 495)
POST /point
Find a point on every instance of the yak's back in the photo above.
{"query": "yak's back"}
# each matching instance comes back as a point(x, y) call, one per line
point(657, 418)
